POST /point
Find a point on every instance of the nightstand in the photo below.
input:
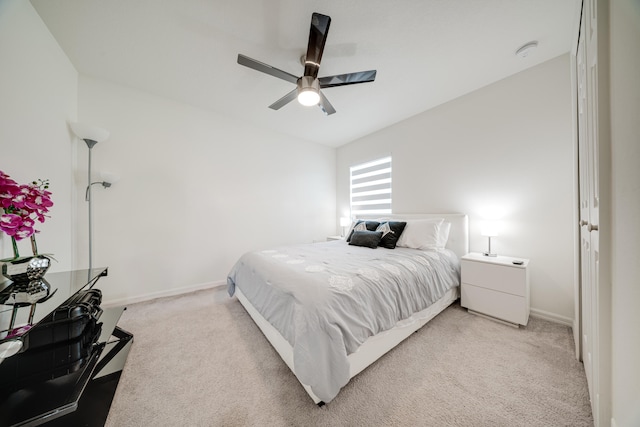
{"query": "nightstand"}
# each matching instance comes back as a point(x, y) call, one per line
point(496, 287)
point(330, 238)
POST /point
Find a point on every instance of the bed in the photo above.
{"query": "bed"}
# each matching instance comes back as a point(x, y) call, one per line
point(331, 309)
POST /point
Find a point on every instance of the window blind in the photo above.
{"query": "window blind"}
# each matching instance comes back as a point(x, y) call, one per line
point(371, 187)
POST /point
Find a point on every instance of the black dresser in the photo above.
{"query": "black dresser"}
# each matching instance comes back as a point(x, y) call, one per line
point(54, 378)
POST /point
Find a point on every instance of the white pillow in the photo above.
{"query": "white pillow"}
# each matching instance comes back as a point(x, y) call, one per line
point(443, 235)
point(351, 227)
point(360, 227)
point(422, 234)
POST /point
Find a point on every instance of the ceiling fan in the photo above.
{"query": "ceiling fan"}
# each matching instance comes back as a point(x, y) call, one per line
point(308, 85)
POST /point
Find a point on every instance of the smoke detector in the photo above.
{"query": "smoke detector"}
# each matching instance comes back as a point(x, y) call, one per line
point(525, 50)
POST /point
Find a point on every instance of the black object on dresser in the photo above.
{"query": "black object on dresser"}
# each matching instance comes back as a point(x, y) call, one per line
point(73, 351)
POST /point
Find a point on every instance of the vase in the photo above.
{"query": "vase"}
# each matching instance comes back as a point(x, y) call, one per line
point(25, 269)
point(26, 293)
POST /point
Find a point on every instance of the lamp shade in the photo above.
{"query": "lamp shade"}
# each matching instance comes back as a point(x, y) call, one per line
point(345, 222)
point(91, 133)
point(489, 229)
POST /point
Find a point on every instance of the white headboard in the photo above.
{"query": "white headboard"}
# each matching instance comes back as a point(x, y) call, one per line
point(458, 235)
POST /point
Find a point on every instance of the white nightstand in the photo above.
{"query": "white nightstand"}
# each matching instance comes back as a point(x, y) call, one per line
point(330, 238)
point(496, 287)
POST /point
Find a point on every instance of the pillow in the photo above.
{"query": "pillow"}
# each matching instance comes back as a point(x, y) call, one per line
point(421, 234)
point(369, 239)
point(361, 225)
point(391, 232)
point(356, 226)
point(351, 227)
point(443, 235)
point(372, 225)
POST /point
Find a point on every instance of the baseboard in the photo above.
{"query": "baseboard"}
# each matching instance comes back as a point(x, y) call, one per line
point(495, 319)
point(552, 317)
point(535, 312)
point(162, 294)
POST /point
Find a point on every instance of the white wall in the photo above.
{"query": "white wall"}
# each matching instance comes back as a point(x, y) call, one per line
point(625, 147)
point(196, 190)
point(508, 148)
point(38, 96)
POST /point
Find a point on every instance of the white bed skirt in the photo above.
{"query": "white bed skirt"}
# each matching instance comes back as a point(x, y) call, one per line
point(370, 351)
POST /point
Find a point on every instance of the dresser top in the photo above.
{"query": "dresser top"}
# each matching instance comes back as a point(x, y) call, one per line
point(500, 259)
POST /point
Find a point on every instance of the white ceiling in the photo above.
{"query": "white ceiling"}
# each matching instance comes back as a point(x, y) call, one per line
point(426, 52)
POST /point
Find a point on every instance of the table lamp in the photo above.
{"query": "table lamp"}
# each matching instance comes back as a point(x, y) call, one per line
point(489, 229)
point(344, 222)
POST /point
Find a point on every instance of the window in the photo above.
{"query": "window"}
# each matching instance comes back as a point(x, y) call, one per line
point(371, 187)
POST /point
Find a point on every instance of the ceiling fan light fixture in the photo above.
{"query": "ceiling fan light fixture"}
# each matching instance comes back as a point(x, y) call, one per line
point(308, 91)
point(308, 98)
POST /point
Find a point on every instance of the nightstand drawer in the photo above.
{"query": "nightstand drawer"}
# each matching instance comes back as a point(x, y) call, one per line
point(510, 280)
point(503, 306)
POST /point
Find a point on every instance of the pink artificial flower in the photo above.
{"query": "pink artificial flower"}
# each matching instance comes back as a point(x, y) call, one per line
point(18, 200)
point(23, 233)
point(5, 200)
point(10, 223)
point(28, 222)
point(6, 183)
point(10, 220)
point(38, 199)
point(33, 202)
point(22, 205)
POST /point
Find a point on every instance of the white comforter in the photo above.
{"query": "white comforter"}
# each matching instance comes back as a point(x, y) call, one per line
point(326, 299)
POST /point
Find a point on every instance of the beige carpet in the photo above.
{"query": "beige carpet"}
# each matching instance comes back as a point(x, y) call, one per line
point(199, 360)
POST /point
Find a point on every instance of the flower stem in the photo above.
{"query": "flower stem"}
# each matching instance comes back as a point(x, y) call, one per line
point(16, 254)
point(34, 246)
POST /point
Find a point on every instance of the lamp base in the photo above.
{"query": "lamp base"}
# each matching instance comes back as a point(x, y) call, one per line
point(488, 251)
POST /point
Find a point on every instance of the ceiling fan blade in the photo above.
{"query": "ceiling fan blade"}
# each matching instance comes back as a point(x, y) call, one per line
point(267, 69)
point(325, 105)
point(317, 38)
point(284, 100)
point(347, 79)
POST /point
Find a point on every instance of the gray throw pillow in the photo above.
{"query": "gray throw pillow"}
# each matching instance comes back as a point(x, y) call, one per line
point(369, 239)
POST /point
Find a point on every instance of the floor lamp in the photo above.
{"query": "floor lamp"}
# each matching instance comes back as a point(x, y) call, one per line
point(91, 135)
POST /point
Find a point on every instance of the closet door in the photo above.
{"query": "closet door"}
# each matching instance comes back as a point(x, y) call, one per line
point(585, 242)
point(588, 154)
